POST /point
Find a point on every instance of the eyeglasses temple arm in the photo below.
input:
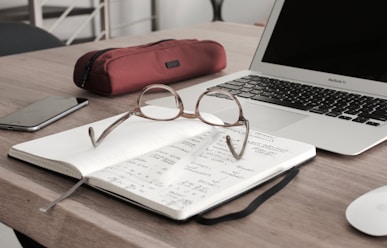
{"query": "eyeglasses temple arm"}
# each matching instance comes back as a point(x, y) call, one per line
point(108, 130)
point(231, 147)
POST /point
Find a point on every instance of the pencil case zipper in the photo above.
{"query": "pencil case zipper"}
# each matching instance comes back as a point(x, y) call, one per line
point(90, 63)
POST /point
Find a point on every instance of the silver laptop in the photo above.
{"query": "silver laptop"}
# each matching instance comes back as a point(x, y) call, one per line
point(335, 48)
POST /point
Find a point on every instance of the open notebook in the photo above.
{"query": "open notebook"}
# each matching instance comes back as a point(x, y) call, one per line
point(178, 168)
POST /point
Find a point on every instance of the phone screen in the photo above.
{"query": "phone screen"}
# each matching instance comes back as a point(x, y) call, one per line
point(41, 113)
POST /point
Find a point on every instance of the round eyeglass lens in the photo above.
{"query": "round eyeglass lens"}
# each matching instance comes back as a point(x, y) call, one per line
point(220, 105)
point(169, 101)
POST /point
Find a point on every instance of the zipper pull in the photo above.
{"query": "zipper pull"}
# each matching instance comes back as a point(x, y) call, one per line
point(90, 63)
point(86, 73)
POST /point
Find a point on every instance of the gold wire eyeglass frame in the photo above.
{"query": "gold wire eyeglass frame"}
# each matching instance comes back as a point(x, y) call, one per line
point(242, 121)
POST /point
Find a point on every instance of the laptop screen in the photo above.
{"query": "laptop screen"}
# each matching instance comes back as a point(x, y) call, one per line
point(342, 37)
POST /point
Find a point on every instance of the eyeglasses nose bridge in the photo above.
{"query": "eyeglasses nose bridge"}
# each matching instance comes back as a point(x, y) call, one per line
point(189, 115)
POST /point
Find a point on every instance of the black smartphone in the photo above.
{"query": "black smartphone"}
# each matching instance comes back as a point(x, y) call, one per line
point(41, 113)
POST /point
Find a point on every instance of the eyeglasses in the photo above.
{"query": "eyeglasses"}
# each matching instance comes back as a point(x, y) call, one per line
point(202, 110)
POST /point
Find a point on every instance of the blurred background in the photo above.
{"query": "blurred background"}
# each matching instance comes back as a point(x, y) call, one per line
point(126, 17)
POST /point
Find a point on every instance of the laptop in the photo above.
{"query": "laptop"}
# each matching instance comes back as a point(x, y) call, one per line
point(337, 48)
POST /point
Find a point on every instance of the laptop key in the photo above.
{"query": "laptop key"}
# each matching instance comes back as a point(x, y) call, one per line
point(375, 116)
point(333, 114)
point(343, 117)
point(375, 124)
point(360, 119)
point(235, 82)
point(319, 110)
point(245, 95)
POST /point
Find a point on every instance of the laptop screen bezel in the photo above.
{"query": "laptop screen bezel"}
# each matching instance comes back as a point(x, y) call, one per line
point(335, 81)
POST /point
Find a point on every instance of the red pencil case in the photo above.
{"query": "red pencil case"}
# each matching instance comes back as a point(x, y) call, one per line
point(115, 71)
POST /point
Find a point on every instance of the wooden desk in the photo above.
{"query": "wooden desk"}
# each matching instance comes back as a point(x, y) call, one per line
point(309, 212)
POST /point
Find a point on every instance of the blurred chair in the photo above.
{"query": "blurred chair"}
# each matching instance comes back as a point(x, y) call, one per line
point(92, 15)
point(217, 10)
point(18, 37)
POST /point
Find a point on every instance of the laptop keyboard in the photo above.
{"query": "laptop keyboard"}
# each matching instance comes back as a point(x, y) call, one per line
point(333, 103)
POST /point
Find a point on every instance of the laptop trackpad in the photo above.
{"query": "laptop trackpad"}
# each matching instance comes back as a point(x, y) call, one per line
point(265, 118)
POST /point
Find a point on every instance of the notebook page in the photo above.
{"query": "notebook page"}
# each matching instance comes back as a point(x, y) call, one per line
point(209, 178)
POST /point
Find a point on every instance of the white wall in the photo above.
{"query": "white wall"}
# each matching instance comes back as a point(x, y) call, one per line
point(177, 13)
point(129, 17)
point(172, 13)
point(247, 11)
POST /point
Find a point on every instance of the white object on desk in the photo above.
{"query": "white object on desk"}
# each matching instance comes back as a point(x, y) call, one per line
point(368, 213)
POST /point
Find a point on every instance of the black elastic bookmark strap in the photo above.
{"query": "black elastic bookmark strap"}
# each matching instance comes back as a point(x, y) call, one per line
point(253, 205)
